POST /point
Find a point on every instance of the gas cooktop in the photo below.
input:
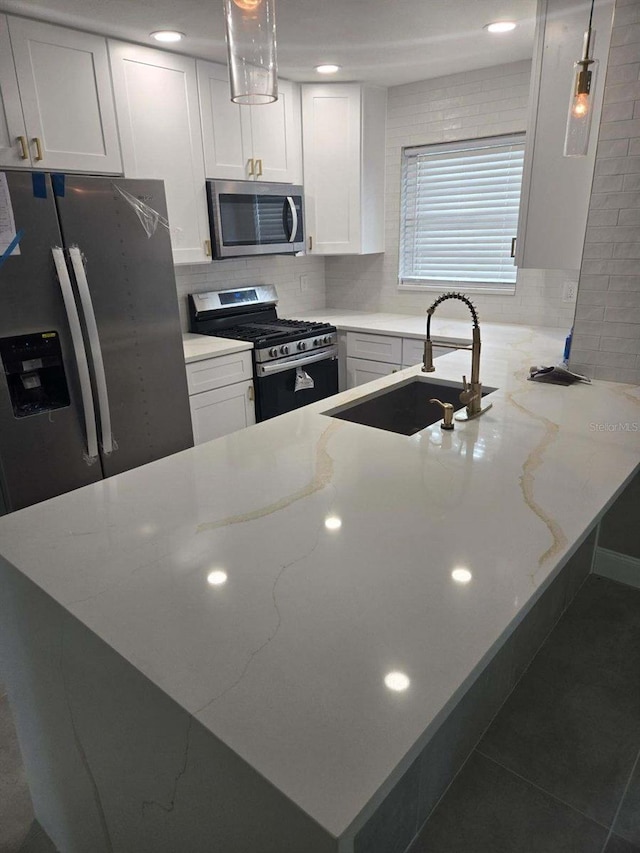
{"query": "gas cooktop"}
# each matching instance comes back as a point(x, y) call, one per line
point(277, 331)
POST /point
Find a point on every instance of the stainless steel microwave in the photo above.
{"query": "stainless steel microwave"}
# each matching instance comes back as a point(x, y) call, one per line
point(255, 218)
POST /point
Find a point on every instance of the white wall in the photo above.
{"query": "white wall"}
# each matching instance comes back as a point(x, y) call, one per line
point(606, 340)
point(295, 295)
point(486, 102)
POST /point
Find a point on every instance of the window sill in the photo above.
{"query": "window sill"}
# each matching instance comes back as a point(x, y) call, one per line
point(464, 286)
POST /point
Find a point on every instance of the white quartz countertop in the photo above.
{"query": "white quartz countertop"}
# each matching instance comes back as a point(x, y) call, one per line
point(414, 326)
point(199, 347)
point(285, 662)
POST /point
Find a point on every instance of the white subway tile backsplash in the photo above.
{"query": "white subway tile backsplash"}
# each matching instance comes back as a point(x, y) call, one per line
point(487, 102)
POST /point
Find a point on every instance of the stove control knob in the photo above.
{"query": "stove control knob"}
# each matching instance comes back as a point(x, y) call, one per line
point(316, 343)
point(273, 352)
point(302, 345)
point(326, 339)
point(284, 350)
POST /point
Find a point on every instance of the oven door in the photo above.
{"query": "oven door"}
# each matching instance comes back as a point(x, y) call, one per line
point(276, 384)
point(255, 218)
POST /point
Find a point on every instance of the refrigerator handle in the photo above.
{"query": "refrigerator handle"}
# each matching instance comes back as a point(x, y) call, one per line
point(94, 346)
point(80, 352)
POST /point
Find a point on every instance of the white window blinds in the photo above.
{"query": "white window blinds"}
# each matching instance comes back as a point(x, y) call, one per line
point(459, 212)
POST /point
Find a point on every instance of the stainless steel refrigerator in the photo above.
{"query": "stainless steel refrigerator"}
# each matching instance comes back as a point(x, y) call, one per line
point(92, 375)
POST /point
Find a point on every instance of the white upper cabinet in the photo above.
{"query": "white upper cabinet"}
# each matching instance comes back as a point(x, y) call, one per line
point(66, 99)
point(249, 143)
point(157, 106)
point(14, 149)
point(344, 166)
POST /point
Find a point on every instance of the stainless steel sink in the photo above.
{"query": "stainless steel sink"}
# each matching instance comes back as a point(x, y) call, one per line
point(404, 408)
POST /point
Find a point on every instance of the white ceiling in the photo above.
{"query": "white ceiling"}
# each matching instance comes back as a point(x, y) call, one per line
point(382, 41)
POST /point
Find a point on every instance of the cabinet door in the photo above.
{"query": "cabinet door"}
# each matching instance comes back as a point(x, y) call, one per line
point(65, 90)
point(331, 141)
point(226, 127)
point(277, 136)
point(222, 411)
point(12, 129)
point(157, 106)
point(359, 371)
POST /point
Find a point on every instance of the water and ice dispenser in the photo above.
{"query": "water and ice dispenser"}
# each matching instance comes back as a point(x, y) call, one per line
point(34, 372)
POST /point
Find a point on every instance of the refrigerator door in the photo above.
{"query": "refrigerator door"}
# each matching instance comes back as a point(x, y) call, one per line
point(123, 270)
point(43, 433)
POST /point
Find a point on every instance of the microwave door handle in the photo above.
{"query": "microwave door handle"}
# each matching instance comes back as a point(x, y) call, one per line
point(94, 345)
point(82, 363)
point(294, 219)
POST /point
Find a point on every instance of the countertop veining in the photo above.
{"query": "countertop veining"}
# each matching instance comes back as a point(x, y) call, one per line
point(285, 661)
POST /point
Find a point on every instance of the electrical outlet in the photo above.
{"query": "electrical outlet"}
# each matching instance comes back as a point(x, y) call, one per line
point(304, 283)
point(569, 291)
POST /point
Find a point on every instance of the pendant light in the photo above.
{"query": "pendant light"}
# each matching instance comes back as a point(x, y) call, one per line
point(576, 141)
point(251, 43)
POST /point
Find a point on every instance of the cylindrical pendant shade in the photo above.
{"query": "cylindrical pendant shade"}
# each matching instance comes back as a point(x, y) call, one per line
point(251, 41)
point(576, 142)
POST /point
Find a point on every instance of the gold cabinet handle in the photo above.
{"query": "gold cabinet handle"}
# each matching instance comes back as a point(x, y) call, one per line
point(258, 168)
point(38, 144)
point(24, 148)
point(310, 244)
point(251, 165)
point(251, 393)
point(207, 248)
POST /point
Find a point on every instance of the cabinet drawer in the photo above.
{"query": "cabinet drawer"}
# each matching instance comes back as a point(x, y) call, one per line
point(217, 372)
point(222, 411)
point(374, 347)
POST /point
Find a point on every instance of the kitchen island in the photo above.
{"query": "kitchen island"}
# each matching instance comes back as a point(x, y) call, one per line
point(196, 650)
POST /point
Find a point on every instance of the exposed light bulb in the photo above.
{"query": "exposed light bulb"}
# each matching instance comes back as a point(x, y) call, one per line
point(247, 5)
point(580, 105)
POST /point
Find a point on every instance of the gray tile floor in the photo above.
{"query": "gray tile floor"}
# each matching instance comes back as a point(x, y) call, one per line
point(558, 770)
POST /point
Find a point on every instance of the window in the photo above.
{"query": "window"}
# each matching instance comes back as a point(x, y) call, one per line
point(459, 213)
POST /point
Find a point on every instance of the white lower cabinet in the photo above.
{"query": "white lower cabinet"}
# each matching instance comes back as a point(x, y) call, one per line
point(221, 395)
point(360, 370)
point(222, 411)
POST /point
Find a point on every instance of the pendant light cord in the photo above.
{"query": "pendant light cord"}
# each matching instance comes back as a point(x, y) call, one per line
point(587, 47)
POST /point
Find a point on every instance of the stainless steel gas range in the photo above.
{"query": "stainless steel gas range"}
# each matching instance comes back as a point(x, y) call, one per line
point(295, 362)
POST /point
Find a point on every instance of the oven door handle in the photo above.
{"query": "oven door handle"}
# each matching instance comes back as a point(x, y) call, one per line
point(294, 219)
point(290, 364)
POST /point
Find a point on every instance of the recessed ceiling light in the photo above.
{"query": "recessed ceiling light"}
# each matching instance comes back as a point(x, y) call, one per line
point(397, 681)
point(461, 575)
point(217, 577)
point(332, 522)
point(327, 69)
point(500, 27)
point(167, 35)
